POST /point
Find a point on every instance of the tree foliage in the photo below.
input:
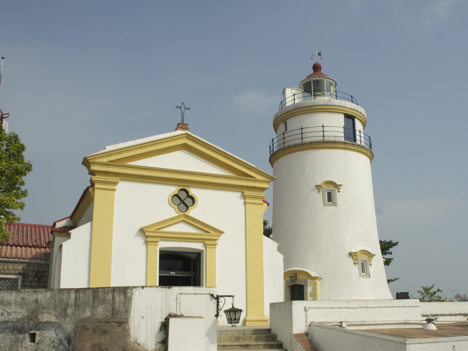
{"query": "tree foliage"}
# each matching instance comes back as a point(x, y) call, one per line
point(459, 297)
point(427, 294)
point(385, 248)
point(13, 168)
point(267, 231)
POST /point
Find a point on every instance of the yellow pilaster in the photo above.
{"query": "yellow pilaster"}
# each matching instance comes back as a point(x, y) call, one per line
point(254, 209)
point(102, 232)
point(152, 261)
point(210, 263)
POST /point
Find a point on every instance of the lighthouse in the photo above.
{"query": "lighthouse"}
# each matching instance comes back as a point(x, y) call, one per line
point(323, 212)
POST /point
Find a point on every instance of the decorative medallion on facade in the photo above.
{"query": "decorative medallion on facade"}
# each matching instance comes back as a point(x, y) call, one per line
point(182, 200)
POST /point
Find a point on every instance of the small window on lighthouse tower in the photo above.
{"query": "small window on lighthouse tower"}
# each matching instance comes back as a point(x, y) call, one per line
point(364, 268)
point(329, 196)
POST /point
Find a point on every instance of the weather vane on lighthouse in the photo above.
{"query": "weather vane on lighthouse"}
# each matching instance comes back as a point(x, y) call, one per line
point(182, 110)
point(317, 54)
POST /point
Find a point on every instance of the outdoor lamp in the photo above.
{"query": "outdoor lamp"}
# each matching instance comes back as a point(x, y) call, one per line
point(293, 278)
point(233, 314)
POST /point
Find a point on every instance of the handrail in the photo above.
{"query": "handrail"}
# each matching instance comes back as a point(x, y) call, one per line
point(333, 94)
point(320, 133)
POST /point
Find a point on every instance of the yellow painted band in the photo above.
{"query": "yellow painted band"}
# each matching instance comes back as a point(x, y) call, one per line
point(100, 271)
point(254, 208)
point(177, 177)
point(332, 145)
point(319, 108)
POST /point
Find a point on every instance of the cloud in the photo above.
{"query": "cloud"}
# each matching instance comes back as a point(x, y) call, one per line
point(438, 11)
point(255, 100)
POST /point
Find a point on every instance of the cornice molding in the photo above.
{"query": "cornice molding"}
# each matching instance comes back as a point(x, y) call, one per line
point(254, 198)
point(176, 177)
point(321, 145)
point(329, 184)
point(155, 232)
point(362, 253)
point(319, 108)
point(183, 141)
point(104, 183)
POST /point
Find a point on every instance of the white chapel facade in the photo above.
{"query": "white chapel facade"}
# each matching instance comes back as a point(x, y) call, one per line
point(172, 210)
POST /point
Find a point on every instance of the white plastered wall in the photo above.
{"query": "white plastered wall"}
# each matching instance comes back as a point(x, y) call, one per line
point(272, 273)
point(76, 253)
point(181, 160)
point(56, 262)
point(88, 215)
point(140, 204)
point(319, 237)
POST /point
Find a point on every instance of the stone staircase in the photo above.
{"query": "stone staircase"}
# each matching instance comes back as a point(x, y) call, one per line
point(247, 338)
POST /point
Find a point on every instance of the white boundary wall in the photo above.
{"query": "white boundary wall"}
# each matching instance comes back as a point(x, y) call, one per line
point(328, 338)
point(293, 317)
point(445, 311)
point(150, 306)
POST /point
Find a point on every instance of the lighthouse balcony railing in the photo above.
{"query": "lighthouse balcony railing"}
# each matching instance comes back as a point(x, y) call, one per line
point(317, 134)
point(333, 94)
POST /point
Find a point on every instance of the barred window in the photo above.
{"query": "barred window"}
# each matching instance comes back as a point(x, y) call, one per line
point(9, 283)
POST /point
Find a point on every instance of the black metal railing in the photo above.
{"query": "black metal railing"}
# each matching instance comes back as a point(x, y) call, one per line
point(333, 94)
point(316, 134)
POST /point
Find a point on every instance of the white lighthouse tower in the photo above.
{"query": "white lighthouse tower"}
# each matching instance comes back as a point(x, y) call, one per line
point(323, 211)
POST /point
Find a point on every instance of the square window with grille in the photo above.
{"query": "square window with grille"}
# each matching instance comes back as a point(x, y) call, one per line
point(10, 283)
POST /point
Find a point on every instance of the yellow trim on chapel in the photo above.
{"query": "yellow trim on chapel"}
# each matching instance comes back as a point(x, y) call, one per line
point(183, 141)
point(155, 233)
point(176, 207)
point(254, 209)
point(319, 108)
point(362, 253)
point(83, 206)
point(100, 270)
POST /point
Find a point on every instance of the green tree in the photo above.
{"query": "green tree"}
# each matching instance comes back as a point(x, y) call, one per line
point(459, 297)
point(266, 229)
point(385, 248)
point(429, 295)
point(13, 168)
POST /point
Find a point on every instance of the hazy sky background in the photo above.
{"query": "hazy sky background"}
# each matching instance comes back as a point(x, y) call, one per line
point(82, 75)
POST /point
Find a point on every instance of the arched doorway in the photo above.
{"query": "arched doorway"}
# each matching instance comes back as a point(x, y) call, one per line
point(297, 292)
point(179, 268)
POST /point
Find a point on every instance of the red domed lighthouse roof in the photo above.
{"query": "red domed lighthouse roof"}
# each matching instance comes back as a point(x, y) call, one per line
point(317, 67)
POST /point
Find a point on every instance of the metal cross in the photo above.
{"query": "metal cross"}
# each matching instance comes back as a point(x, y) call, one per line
point(182, 110)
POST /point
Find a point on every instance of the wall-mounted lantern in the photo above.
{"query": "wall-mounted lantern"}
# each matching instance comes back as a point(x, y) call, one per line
point(233, 314)
point(293, 278)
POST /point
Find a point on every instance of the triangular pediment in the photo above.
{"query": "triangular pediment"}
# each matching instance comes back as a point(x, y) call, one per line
point(182, 227)
point(155, 152)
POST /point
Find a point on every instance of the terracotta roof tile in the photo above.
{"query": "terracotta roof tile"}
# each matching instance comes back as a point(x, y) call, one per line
point(27, 241)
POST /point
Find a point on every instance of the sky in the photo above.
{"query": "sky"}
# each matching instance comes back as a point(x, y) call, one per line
point(82, 75)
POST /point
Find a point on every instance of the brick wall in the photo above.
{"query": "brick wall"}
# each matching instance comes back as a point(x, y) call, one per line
point(34, 275)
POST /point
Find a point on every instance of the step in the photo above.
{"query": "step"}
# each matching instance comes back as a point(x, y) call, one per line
point(244, 331)
point(269, 345)
point(246, 338)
